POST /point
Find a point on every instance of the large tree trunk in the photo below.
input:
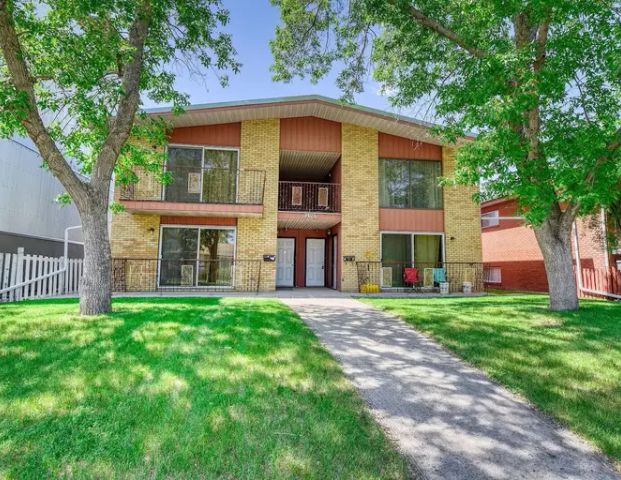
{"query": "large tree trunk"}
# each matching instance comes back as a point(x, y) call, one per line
point(554, 239)
point(96, 283)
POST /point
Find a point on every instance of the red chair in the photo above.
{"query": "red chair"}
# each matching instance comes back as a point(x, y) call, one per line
point(410, 276)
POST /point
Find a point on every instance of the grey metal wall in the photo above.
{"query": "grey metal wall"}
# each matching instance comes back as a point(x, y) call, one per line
point(27, 193)
point(10, 242)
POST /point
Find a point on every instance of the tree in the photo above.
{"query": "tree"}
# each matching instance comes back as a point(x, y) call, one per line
point(71, 77)
point(538, 80)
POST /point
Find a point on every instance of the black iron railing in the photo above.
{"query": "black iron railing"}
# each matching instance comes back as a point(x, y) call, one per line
point(418, 276)
point(196, 185)
point(309, 197)
point(153, 274)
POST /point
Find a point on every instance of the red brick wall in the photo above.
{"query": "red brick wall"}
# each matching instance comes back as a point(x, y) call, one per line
point(513, 247)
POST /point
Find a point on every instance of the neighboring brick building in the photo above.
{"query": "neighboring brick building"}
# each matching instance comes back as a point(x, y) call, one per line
point(513, 258)
point(302, 191)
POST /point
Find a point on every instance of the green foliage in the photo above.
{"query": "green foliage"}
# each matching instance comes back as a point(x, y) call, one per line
point(76, 52)
point(481, 77)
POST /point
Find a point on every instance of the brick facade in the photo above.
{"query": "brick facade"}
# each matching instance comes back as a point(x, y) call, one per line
point(136, 235)
point(462, 225)
point(511, 245)
point(260, 142)
point(359, 201)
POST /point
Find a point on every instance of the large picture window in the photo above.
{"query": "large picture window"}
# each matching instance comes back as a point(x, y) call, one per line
point(403, 250)
point(197, 256)
point(409, 183)
point(201, 174)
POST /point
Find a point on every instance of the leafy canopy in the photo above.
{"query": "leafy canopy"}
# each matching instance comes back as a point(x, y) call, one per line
point(538, 80)
point(77, 52)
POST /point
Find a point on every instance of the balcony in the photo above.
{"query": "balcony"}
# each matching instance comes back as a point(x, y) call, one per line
point(199, 192)
point(309, 197)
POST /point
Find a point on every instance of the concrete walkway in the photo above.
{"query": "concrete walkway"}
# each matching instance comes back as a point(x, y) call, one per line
point(449, 419)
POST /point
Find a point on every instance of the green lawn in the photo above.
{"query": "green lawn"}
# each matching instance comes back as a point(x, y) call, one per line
point(178, 388)
point(569, 364)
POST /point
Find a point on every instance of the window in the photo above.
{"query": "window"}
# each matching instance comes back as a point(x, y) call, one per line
point(619, 265)
point(490, 219)
point(197, 256)
point(410, 183)
point(201, 174)
point(401, 250)
point(492, 275)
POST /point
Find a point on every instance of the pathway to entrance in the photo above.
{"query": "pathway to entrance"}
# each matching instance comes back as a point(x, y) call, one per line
point(449, 419)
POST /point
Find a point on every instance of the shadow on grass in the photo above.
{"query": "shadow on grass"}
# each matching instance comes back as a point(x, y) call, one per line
point(178, 387)
point(567, 363)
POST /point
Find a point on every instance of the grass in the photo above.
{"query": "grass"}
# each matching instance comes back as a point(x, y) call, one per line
point(569, 364)
point(178, 388)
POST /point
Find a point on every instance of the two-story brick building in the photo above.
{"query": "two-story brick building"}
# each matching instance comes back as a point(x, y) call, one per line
point(296, 192)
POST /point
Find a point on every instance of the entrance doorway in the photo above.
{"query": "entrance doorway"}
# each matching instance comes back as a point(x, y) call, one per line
point(315, 258)
point(285, 262)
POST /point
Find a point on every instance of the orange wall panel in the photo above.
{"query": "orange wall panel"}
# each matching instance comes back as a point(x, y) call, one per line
point(310, 134)
point(223, 135)
point(411, 220)
point(391, 146)
point(175, 220)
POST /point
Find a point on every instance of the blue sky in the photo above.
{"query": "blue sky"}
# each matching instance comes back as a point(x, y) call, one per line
point(252, 26)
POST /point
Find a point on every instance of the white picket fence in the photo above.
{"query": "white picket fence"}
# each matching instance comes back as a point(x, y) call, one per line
point(35, 276)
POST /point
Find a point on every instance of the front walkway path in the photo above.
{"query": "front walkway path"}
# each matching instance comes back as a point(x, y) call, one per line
point(449, 419)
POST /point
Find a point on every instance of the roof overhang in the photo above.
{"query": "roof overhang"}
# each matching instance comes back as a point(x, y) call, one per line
point(301, 106)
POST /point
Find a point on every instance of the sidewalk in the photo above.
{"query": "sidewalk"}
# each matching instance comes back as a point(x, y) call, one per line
point(448, 418)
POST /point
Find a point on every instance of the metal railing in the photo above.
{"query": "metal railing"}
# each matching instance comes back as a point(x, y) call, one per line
point(421, 277)
point(162, 274)
point(196, 185)
point(309, 197)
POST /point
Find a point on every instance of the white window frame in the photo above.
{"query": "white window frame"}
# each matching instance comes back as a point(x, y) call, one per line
point(492, 278)
point(198, 235)
point(490, 219)
point(204, 148)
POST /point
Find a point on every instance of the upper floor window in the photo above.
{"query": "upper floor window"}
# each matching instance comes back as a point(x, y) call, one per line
point(201, 174)
point(490, 219)
point(409, 183)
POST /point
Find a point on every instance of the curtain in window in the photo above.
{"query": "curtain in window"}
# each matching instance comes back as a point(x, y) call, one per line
point(220, 176)
point(185, 166)
point(410, 184)
point(427, 251)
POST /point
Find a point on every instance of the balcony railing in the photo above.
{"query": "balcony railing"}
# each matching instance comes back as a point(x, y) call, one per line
point(309, 197)
point(421, 277)
point(152, 274)
point(210, 185)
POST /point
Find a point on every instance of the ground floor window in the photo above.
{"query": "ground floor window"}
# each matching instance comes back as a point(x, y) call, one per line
point(196, 256)
point(409, 250)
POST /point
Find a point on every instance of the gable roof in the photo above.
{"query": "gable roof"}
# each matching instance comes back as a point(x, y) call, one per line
point(300, 106)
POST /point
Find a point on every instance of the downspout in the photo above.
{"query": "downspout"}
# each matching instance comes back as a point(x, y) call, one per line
point(605, 237)
point(579, 271)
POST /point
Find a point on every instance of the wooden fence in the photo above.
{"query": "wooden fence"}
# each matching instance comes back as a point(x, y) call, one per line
point(600, 280)
point(35, 276)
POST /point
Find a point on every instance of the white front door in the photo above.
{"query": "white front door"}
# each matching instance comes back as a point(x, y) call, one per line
point(315, 254)
point(284, 262)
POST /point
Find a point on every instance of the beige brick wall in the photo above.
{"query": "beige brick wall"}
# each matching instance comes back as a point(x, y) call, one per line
point(260, 148)
point(462, 217)
point(136, 236)
point(359, 200)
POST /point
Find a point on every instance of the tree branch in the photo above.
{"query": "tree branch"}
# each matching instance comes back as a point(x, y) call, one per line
point(128, 105)
point(441, 30)
point(23, 82)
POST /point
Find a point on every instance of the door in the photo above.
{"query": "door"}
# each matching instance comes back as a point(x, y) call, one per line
point(315, 255)
point(284, 262)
